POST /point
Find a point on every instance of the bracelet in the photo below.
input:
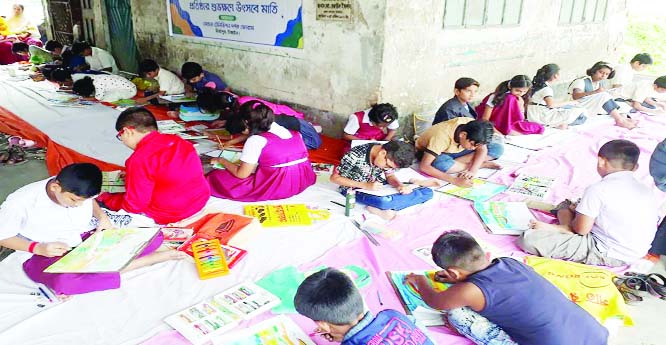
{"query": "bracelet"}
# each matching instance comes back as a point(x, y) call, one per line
point(31, 247)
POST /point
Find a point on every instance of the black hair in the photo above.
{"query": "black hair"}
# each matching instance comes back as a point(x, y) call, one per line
point(84, 87)
point(643, 59)
point(138, 117)
point(329, 296)
point(209, 100)
point(21, 6)
point(52, 45)
point(383, 113)
point(190, 70)
point(20, 47)
point(81, 179)
point(505, 86)
point(459, 249)
point(661, 82)
point(464, 83)
point(257, 116)
point(599, 65)
point(79, 47)
point(235, 125)
point(401, 153)
point(543, 75)
point(147, 65)
point(621, 153)
point(60, 75)
point(478, 131)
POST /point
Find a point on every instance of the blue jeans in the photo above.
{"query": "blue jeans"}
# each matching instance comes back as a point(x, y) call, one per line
point(477, 328)
point(445, 161)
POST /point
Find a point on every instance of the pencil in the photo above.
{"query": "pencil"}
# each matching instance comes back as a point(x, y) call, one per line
point(218, 139)
point(45, 294)
point(379, 297)
point(337, 203)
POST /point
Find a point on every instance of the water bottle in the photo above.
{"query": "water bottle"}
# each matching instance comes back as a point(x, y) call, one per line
point(350, 202)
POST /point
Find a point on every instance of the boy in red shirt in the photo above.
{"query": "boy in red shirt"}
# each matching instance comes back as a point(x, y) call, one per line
point(164, 179)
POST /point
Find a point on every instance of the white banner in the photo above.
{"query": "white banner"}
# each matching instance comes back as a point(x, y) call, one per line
point(275, 23)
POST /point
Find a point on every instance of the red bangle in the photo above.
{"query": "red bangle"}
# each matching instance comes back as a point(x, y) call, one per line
point(32, 246)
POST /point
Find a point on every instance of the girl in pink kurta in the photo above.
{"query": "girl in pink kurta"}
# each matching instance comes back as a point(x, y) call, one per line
point(506, 110)
point(274, 162)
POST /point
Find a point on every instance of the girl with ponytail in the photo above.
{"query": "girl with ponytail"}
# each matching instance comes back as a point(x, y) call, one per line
point(543, 108)
point(505, 108)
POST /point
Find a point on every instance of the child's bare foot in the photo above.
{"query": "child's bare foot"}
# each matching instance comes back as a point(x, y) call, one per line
point(385, 214)
point(63, 297)
point(536, 225)
point(154, 258)
point(426, 183)
point(491, 165)
point(627, 123)
point(562, 126)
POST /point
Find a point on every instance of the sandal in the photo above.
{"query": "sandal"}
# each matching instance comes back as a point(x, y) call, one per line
point(628, 288)
point(654, 283)
point(18, 141)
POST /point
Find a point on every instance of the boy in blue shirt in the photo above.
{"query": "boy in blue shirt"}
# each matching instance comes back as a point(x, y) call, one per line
point(330, 298)
point(458, 106)
point(197, 78)
point(511, 296)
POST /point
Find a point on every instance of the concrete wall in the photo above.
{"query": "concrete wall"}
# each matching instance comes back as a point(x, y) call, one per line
point(338, 71)
point(422, 60)
point(393, 51)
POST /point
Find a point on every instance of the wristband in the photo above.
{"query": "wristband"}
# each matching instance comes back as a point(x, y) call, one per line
point(31, 247)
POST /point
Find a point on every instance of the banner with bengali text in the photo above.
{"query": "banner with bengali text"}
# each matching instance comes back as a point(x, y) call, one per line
point(275, 23)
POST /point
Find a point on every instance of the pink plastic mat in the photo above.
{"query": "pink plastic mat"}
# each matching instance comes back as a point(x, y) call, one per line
point(572, 163)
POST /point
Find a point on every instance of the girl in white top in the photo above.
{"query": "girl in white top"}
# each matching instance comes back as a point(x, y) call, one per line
point(543, 107)
point(103, 87)
point(591, 96)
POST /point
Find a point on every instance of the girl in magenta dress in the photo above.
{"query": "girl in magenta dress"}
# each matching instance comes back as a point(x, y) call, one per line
point(274, 163)
point(505, 108)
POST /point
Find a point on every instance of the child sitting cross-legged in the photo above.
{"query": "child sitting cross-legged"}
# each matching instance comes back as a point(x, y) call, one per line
point(331, 300)
point(370, 166)
point(47, 218)
point(612, 225)
point(502, 301)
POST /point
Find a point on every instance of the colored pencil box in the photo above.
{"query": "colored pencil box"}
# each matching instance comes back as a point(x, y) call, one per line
point(395, 201)
point(192, 113)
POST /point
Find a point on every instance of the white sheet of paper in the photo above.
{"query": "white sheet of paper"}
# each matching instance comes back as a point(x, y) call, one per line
point(384, 191)
point(355, 143)
point(178, 98)
point(406, 174)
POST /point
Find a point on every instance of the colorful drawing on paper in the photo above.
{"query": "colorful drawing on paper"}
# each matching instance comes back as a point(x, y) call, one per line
point(409, 296)
point(113, 181)
point(507, 218)
point(276, 23)
point(480, 191)
point(104, 251)
point(532, 186)
point(279, 330)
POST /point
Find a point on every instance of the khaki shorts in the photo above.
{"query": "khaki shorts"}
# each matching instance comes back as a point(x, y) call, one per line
point(568, 246)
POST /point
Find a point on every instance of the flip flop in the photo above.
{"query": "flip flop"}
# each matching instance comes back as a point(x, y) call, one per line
point(654, 283)
point(18, 141)
point(627, 287)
